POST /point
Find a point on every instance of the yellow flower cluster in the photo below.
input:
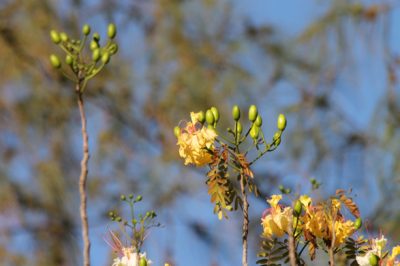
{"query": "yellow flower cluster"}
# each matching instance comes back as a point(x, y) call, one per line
point(320, 221)
point(277, 221)
point(327, 223)
point(195, 141)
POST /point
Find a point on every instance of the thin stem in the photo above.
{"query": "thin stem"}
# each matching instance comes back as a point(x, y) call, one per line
point(245, 229)
point(83, 178)
point(292, 252)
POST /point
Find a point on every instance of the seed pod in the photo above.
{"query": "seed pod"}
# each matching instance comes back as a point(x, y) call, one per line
point(258, 121)
point(254, 132)
point(64, 37)
point(105, 58)
point(253, 112)
point(236, 113)
point(177, 131)
point(358, 223)
point(55, 61)
point(112, 31)
point(68, 59)
point(86, 29)
point(215, 112)
point(55, 37)
point(281, 123)
point(210, 117)
point(143, 262)
point(201, 117)
point(96, 55)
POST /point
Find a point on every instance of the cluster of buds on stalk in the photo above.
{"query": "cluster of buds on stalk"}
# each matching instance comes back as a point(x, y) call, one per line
point(80, 67)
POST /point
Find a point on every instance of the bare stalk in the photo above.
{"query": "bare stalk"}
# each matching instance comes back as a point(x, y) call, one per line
point(331, 255)
point(83, 178)
point(292, 254)
point(245, 229)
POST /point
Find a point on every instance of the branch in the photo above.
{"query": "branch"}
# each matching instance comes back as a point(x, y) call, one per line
point(83, 178)
point(245, 229)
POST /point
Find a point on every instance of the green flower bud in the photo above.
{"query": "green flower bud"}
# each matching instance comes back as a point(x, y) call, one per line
point(215, 112)
point(96, 37)
point(96, 54)
point(139, 198)
point(373, 260)
point(55, 61)
point(358, 223)
point(68, 59)
point(94, 45)
point(253, 112)
point(64, 37)
point(258, 121)
point(123, 197)
point(86, 29)
point(254, 132)
point(177, 131)
point(55, 37)
point(297, 208)
point(105, 58)
point(112, 31)
point(113, 48)
point(201, 117)
point(111, 214)
point(239, 127)
point(281, 123)
point(130, 196)
point(118, 219)
point(143, 262)
point(210, 117)
point(236, 113)
point(277, 138)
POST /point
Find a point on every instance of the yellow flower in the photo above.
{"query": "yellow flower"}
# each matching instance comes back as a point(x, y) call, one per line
point(395, 252)
point(274, 200)
point(320, 222)
point(392, 258)
point(342, 231)
point(305, 200)
point(194, 142)
point(277, 222)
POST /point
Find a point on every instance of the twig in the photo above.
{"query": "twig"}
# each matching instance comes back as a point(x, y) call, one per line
point(292, 254)
point(245, 229)
point(83, 178)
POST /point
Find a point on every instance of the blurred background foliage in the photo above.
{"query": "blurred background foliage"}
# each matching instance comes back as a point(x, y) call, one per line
point(330, 66)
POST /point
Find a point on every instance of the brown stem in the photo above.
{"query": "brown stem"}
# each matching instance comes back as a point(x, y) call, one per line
point(245, 229)
point(292, 254)
point(83, 178)
point(331, 255)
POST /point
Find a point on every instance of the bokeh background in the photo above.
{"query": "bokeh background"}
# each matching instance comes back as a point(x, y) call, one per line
point(331, 66)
